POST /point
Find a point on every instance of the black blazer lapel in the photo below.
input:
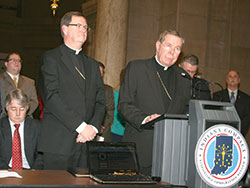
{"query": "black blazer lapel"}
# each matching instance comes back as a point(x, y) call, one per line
point(7, 138)
point(239, 103)
point(225, 95)
point(68, 63)
point(154, 82)
point(172, 102)
point(28, 140)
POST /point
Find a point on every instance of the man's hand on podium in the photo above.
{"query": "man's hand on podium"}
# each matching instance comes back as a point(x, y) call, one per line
point(151, 117)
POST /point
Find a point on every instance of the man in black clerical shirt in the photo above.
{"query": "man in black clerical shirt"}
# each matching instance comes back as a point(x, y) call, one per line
point(152, 87)
point(73, 95)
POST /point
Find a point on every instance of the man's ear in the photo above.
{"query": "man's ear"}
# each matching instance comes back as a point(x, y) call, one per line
point(157, 45)
point(5, 63)
point(64, 29)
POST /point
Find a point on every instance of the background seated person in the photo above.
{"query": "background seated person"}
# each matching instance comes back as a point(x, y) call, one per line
point(19, 135)
point(200, 87)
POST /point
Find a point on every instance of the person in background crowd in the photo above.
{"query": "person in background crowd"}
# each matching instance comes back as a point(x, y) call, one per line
point(2, 99)
point(152, 87)
point(237, 97)
point(12, 79)
point(19, 135)
point(73, 96)
point(200, 87)
point(105, 130)
point(118, 126)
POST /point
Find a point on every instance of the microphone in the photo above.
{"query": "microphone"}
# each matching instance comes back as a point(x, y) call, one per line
point(221, 88)
point(216, 83)
point(201, 89)
point(194, 90)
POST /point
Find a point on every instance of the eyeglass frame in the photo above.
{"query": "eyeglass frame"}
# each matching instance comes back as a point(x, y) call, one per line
point(15, 60)
point(86, 27)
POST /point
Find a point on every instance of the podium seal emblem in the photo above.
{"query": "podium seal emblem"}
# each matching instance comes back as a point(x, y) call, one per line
point(221, 156)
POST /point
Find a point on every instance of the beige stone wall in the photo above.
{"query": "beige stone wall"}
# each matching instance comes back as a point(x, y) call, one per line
point(216, 31)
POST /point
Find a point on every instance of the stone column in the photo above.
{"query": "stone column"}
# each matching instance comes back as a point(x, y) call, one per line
point(111, 38)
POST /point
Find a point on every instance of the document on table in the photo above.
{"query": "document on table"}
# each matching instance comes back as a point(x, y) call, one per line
point(9, 174)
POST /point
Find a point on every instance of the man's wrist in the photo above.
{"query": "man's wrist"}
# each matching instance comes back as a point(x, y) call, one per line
point(81, 127)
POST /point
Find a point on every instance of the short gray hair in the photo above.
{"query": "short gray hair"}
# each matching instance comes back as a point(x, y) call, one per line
point(19, 95)
point(170, 32)
point(191, 59)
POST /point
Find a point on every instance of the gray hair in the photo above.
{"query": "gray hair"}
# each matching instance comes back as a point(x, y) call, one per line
point(67, 17)
point(19, 95)
point(170, 32)
point(191, 59)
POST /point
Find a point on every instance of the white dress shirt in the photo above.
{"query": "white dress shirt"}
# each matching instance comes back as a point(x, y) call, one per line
point(21, 132)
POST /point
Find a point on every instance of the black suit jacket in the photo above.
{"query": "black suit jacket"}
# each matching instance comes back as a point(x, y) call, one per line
point(68, 98)
point(141, 95)
point(109, 115)
point(31, 137)
point(242, 105)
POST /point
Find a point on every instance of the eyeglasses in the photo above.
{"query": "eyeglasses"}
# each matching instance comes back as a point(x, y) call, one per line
point(15, 60)
point(84, 27)
point(169, 47)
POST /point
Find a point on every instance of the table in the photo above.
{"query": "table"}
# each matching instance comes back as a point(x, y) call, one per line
point(62, 178)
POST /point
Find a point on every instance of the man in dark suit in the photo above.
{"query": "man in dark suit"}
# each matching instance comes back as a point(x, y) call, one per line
point(2, 99)
point(110, 107)
point(200, 87)
point(17, 104)
point(152, 87)
point(240, 99)
point(12, 79)
point(73, 96)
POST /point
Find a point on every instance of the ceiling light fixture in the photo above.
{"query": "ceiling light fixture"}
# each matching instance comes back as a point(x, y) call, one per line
point(54, 5)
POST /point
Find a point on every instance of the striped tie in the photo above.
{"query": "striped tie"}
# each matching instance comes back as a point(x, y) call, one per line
point(232, 98)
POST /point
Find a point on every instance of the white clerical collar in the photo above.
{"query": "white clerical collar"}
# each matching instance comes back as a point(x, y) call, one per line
point(165, 67)
point(77, 51)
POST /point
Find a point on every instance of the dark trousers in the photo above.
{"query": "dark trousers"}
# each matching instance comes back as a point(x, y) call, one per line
point(77, 158)
point(116, 137)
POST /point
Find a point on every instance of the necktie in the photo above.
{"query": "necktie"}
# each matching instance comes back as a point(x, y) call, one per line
point(232, 98)
point(16, 150)
point(15, 81)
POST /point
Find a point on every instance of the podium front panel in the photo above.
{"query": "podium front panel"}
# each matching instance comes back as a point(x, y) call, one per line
point(170, 149)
